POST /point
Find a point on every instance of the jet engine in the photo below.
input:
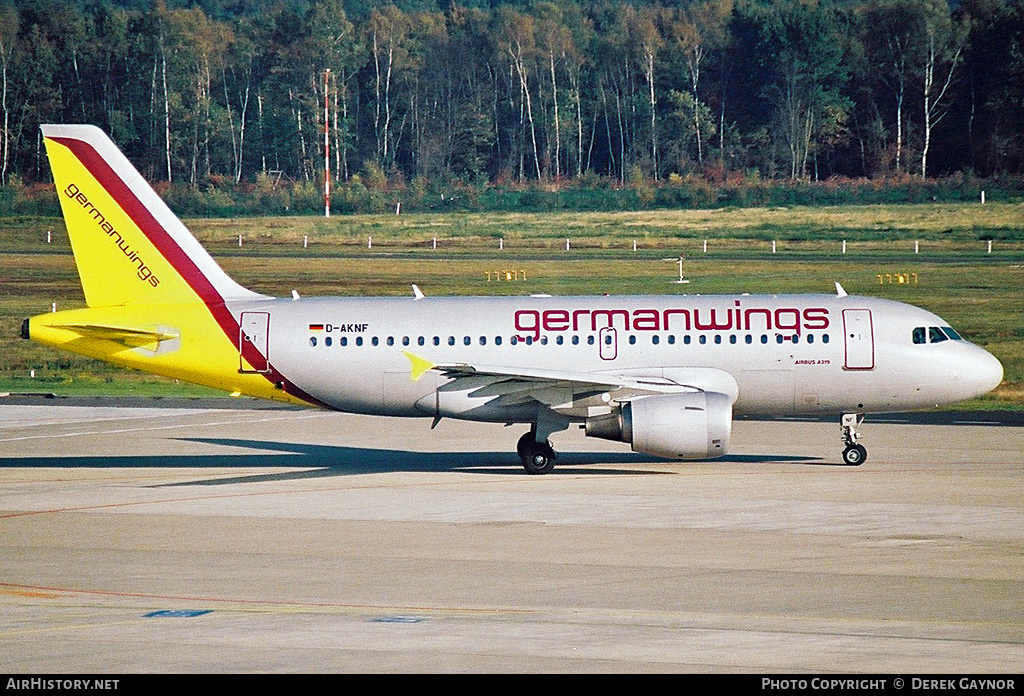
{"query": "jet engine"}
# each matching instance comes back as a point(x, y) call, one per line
point(693, 425)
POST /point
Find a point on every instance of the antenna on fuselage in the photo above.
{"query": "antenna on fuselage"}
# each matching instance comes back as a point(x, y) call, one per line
point(417, 294)
point(839, 290)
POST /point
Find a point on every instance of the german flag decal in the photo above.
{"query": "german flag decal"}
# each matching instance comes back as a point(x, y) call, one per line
point(316, 327)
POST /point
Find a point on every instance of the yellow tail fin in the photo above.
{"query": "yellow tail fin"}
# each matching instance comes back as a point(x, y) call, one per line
point(128, 245)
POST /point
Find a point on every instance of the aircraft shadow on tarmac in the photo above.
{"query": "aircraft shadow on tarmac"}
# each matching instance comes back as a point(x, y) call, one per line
point(328, 460)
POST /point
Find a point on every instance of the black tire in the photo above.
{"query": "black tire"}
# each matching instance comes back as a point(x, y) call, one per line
point(539, 458)
point(855, 455)
point(524, 442)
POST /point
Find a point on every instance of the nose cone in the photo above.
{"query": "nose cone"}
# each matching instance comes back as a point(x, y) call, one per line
point(983, 371)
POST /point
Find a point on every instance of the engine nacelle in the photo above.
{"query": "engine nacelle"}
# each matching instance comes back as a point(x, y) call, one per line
point(694, 425)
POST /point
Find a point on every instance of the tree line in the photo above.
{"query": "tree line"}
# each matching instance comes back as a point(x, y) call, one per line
point(552, 92)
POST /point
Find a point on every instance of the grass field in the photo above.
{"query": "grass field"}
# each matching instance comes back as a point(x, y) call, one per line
point(953, 273)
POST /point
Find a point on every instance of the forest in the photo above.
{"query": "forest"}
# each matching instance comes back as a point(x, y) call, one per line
point(233, 105)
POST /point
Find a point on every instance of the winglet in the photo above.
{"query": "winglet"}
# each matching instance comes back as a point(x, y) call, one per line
point(419, 365)
point(839, 290)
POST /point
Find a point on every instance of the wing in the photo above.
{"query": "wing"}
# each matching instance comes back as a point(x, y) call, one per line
point(574, 394)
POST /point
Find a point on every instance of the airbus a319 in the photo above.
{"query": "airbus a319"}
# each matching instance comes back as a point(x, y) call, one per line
point(664, 374)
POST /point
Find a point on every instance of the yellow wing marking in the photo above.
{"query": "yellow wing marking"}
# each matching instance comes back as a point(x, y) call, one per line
point(419, 365)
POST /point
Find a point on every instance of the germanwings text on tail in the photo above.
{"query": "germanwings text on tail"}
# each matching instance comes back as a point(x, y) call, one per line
point(664, 374)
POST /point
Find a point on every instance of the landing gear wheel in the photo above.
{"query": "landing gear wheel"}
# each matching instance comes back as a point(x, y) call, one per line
point(855, 455)
point(524, 442)
point(538, 458)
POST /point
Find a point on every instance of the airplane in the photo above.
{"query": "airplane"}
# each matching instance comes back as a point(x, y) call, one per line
point(665, 374)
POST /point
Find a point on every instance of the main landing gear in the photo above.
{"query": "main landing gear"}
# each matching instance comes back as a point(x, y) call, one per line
point(855, 454)
point(534, 448)
point(538, 457)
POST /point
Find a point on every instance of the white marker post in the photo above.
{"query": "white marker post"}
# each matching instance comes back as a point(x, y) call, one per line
point(844, 246)
point(327, 149)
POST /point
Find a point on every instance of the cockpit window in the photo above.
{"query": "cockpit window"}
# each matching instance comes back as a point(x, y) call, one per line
point(935, 334)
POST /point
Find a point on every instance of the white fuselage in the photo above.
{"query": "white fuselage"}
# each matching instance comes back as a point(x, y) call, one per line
point(787, 354)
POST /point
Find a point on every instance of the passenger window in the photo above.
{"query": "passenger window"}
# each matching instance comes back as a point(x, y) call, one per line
point(391, 340)
point(466, 340)
point(497, 340)
point(632, 340)
point(483, 340)
point(451, 340)
point(559, 340)
point(327, 341)
point(824, 339)
point(703, 339)
point(732, 338)
point(718, 338)
point(920, 335)
point(405, 340)
point(935, 335)
point(437, 340)
point(590, 340)
point(344, 340)
point(671, 340)
point(655, 339)
point(375, 341)
point(575, 340)
point(312, 341)
point(749, 339)
point(359, 340)
point(686, 339)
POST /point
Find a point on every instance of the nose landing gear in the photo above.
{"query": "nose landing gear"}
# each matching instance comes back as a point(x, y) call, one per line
point(855, 454)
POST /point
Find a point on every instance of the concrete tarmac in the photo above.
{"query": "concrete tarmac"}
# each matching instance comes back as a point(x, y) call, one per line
point(184, 539)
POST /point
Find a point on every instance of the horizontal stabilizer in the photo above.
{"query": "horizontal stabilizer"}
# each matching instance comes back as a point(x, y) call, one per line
point(131, 337)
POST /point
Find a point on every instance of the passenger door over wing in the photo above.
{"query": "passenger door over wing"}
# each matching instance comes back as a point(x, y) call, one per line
point(609, 343)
